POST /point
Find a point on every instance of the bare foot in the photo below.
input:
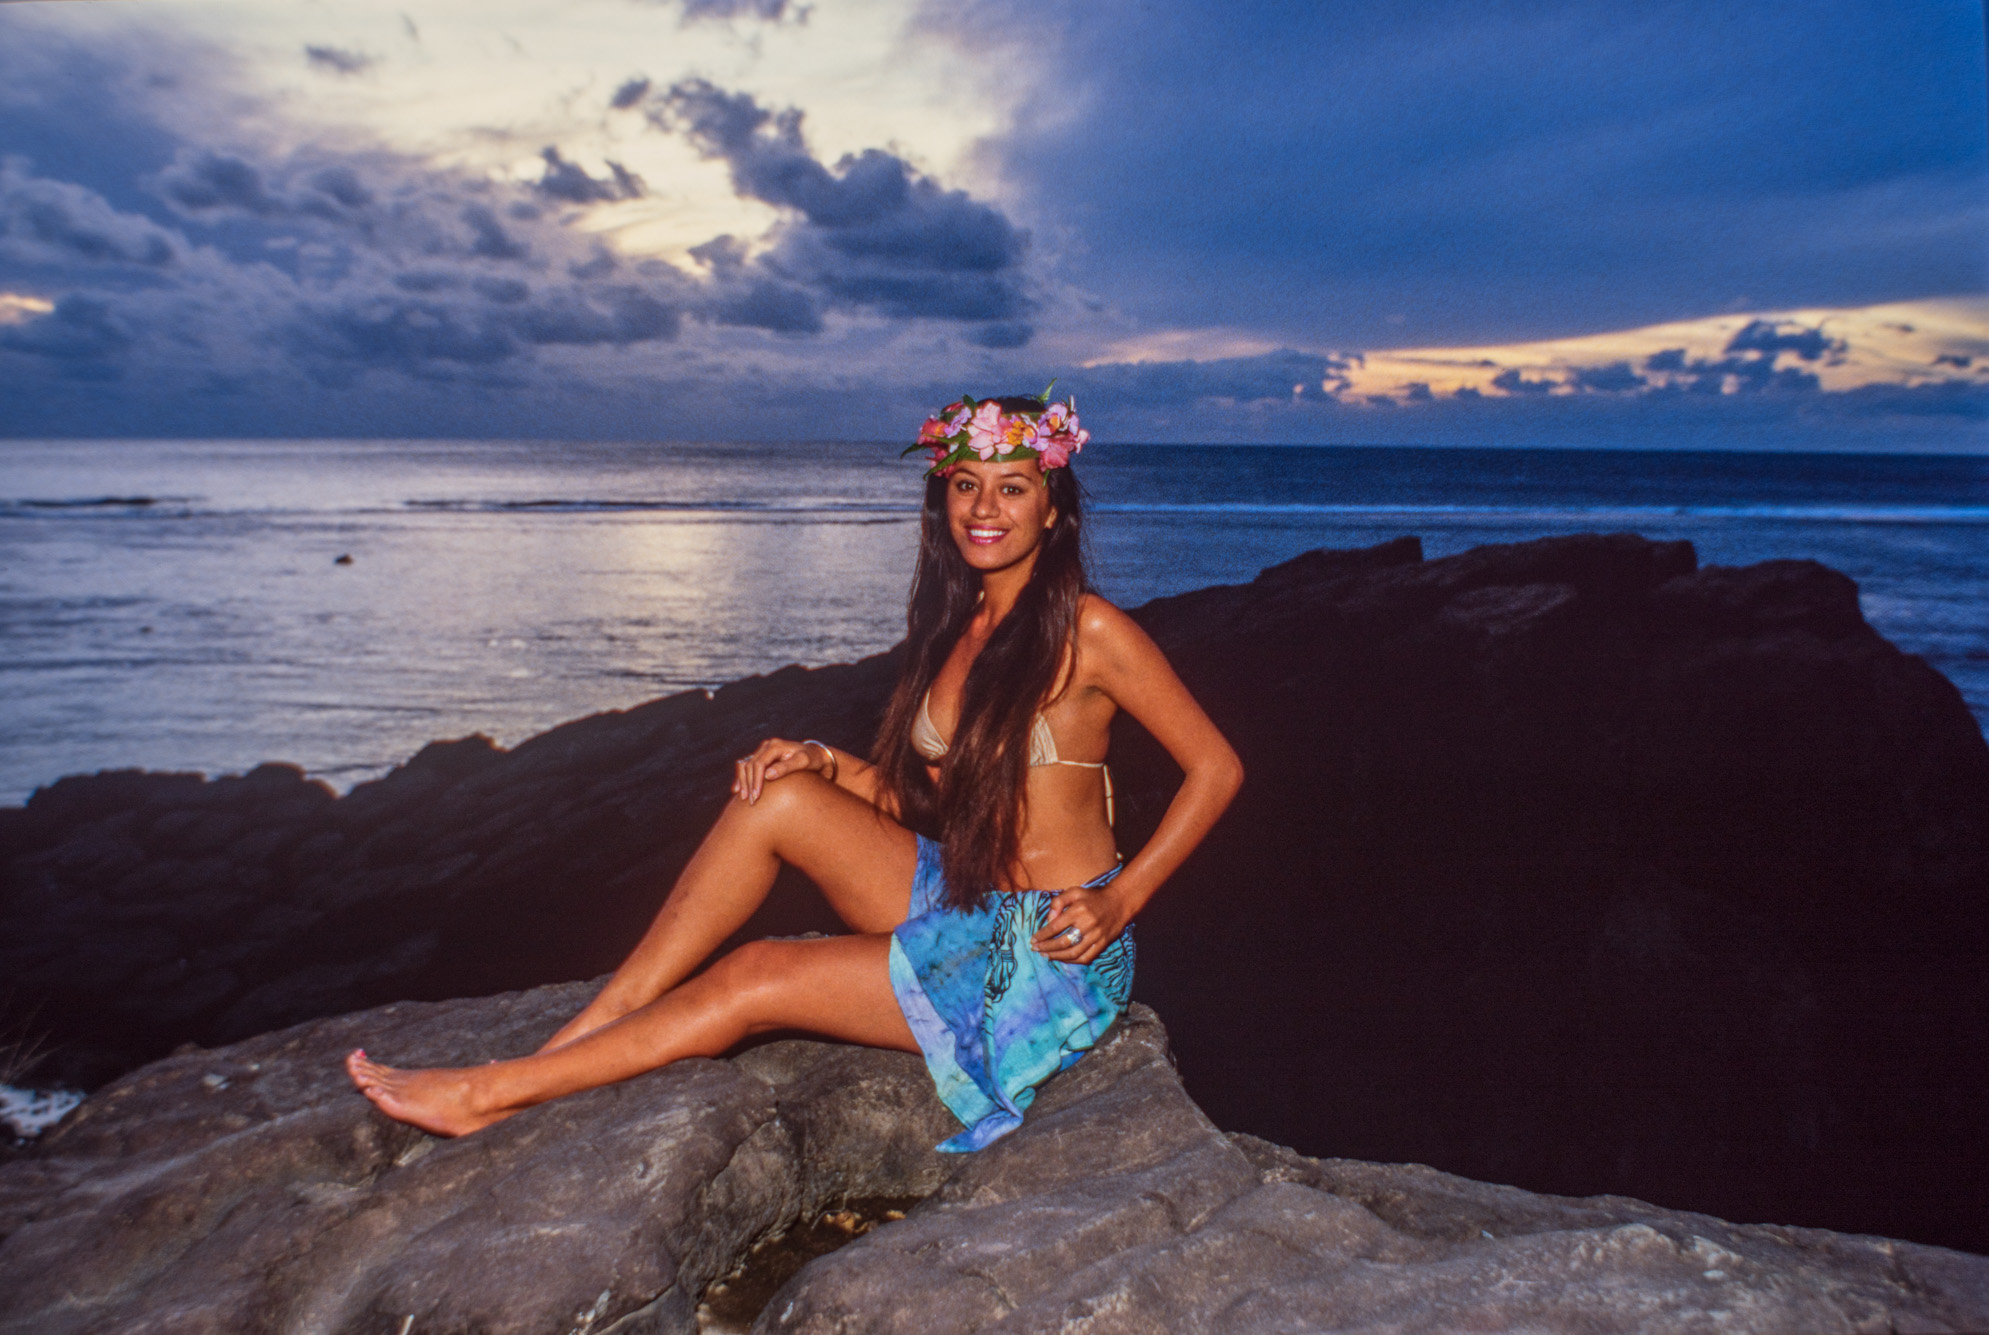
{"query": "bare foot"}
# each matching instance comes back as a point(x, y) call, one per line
point(442, 1102)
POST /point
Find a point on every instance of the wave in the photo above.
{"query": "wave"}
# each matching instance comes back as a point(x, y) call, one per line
point(94, 502)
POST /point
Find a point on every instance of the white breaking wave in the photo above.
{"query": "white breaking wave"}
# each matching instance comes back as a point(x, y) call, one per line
point(29, 1112)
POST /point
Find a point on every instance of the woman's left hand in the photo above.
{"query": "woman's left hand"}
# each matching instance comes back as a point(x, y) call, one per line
point(1099, 916)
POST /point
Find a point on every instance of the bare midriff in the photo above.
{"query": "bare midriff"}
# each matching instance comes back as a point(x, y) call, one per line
point(1064, 839)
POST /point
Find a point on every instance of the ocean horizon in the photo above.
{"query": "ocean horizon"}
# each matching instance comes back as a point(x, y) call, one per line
point(208, 605)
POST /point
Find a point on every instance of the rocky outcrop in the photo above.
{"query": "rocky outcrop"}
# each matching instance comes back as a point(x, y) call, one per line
point(1565, 863)
point(248, 1189)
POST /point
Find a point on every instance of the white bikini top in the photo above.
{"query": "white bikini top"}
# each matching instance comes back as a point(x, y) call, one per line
point(1042, 747)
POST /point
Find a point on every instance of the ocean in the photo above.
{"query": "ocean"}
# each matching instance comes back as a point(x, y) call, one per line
point(208, 605)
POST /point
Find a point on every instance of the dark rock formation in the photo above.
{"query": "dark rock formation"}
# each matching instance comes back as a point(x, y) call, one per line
point(249, 1190)
point(1562, 863)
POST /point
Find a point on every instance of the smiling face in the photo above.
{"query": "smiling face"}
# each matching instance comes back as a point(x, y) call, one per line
point(998, 513)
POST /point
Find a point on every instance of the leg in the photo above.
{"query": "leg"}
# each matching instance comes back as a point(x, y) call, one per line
point(839, 987)
point(862, 860)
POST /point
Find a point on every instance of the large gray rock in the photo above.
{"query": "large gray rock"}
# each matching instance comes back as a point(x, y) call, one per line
point(249, 1189)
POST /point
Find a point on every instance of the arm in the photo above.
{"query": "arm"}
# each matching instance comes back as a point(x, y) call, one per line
point(777, 757)
point(1121, 660)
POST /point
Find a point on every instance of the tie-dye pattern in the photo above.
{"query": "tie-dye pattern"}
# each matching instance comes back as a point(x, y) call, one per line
point(994, 1018)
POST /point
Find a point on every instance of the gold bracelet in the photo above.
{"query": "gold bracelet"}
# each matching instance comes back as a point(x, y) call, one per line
point(828, 751)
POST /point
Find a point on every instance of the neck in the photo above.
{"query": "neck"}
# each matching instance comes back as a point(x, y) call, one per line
point(1001, 588)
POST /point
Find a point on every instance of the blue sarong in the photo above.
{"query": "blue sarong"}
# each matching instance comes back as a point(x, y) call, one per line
point(994, 1018)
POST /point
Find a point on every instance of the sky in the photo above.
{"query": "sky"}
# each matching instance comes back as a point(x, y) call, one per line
point(1645, 224)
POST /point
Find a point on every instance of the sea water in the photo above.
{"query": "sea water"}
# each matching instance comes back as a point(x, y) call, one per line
point(207, 605)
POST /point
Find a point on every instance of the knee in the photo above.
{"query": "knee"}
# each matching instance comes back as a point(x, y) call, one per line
point(784, 803)
point(747, 977)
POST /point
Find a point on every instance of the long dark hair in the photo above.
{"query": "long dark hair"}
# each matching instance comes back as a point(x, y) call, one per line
point(975, 809)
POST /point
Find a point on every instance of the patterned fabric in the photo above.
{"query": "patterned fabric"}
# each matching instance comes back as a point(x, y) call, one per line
point(994, 1018)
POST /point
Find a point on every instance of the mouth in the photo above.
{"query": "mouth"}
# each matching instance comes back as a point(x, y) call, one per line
point(984, 537)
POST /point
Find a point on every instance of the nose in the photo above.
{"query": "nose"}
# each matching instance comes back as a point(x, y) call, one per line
point(984, 504)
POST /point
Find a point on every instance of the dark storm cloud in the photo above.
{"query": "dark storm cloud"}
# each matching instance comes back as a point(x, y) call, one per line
point(81, 335)
point(47, 222)
point(333, 60)
point(1002, 335)
point(233, 270)
point(869, 232)
point(1449, 172)
point(207, 183)
point(210, 181)
point(274, 272)
point(206, 284)
point(570, 182)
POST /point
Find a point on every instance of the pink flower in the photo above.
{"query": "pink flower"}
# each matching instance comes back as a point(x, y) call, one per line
point(984, 431)
point(1057, 418)
point(1055, 453)
point(1019, 433)
point(933, 430)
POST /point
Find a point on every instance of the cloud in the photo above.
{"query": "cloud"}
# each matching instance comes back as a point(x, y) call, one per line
point(1268, 378)
point(769, 11)
point(1512, 382)
point(1772, 337)
point(208, 181)
point(80, 333)
point(46, 222)
point(181, 258)
point(1749, 366)
point(568, 181)
point(1493, 173)
point(203, 182)
point(871, 232)
point(1612, 378)
point(333, 60)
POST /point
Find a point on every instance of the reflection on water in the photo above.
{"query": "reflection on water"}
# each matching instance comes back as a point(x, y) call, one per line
point(182, 605)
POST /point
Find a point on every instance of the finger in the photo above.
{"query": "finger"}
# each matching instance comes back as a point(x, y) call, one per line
point(1060, 921)
point(1059, 946)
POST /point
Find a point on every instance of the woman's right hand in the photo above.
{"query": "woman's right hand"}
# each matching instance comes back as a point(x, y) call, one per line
point(772, 759)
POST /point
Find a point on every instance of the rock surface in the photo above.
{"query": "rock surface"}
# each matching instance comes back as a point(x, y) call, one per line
point(1564, 863)
point(249, 1190)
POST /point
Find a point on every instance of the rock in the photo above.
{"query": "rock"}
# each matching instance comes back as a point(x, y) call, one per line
point(1565, 863)
point(249, 1189)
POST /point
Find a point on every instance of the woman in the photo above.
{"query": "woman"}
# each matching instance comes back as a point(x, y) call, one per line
point(999, 951)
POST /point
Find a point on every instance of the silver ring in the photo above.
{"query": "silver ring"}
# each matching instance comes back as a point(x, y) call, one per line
point(743, 760)
point(1071, 936)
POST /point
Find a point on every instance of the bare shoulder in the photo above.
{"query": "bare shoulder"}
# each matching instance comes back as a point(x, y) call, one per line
point(1108, 637)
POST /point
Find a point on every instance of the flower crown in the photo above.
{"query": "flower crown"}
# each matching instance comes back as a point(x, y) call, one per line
point(979, 429)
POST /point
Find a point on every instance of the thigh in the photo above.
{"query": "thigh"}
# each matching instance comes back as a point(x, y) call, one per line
point(861, 858)
point(836, 986)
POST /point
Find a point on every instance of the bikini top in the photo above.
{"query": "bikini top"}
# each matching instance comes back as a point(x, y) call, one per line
point(1042, 747)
